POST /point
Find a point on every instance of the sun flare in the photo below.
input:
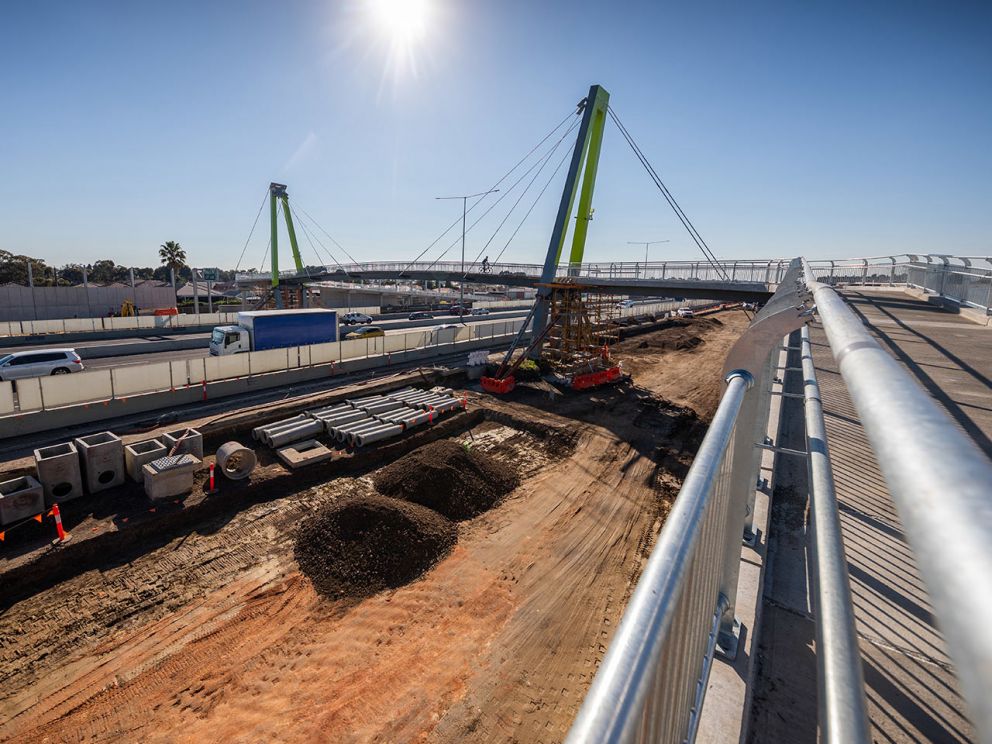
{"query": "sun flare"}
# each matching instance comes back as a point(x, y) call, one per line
point(404, 22)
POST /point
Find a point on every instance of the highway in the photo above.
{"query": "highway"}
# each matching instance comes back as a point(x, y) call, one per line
point(99, 354)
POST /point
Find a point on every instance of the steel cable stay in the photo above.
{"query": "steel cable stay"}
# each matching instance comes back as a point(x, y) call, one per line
point(532, 206)
point(306, 234)
point(503, 178)
point(506, 192)
point(250, 234)
point(312, 237)
point(298, 210)
point(543, 164)
point(683, 218)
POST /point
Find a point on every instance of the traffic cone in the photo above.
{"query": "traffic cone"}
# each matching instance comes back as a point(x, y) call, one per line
point(63, 535)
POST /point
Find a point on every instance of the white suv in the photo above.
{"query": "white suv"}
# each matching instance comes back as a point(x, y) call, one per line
point(39, 363)
point(685, 312)
point(353, 318)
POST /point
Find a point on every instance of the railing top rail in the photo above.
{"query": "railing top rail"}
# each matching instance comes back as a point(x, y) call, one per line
point(940, 482)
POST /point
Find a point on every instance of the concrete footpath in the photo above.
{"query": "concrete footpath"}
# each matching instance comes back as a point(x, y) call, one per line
point(911, 689)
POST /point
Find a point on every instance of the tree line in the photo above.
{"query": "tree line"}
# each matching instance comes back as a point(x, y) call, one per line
point(14, 270)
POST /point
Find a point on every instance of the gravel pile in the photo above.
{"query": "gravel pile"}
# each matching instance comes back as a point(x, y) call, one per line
point(364, 544)
point(448, 477)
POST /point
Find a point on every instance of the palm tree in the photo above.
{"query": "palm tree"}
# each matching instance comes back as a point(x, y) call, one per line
point(172, 255)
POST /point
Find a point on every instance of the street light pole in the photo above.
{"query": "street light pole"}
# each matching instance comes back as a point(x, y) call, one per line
point(646, 243)
point(461, 283)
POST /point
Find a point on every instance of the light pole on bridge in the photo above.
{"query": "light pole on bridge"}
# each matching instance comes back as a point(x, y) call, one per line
point(646, 243)
point(461, 283)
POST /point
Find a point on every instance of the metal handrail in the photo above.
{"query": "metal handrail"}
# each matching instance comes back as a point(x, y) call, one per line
point(842, 712)
point(941, 484)
point(650, 684)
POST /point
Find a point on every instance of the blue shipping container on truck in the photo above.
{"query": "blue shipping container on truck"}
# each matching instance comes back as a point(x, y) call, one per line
point(277, 329)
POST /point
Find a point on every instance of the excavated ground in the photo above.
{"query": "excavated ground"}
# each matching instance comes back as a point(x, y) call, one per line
point(455, 480)
point(216, 634)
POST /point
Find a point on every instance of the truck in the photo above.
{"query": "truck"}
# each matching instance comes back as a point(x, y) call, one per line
point(274, 329)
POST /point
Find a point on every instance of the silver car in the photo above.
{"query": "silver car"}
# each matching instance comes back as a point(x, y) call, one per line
point(39, 363)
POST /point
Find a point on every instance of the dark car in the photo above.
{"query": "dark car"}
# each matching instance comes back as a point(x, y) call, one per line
point(458, 310)
point(420, 315)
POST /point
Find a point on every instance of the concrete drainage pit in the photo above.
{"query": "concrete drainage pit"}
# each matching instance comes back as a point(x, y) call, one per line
point(61, 489)
point(106, 476)
point(364, 544)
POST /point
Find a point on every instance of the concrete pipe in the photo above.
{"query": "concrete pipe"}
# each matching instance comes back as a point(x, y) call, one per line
point(417, 420)
point(276, 426)
point(235, 460)
point(389, 405)
point(352, 437)
point(341, 432)
point(346, 435)
point(377, 434)
point(359, 402)
point(303, 431)
point(329, 411)
point(447, 406)
point(344, 418)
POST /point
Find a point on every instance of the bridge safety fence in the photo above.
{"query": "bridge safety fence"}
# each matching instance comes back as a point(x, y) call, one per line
point(963, 279)
point(940, 482)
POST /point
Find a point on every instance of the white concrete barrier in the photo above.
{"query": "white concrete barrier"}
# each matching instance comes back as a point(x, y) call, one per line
point(35, 394)
point(6, 398)
point(141, 378)
point(82, 387)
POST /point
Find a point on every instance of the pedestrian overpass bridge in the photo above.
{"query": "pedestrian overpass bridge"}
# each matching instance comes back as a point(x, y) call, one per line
point(744, 280)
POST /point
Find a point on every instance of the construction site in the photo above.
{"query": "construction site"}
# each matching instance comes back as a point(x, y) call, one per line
point(590, 502)
point(458, 582)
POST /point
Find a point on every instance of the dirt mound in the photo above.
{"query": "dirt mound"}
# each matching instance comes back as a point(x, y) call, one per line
point(364, 544)
point(445, 476)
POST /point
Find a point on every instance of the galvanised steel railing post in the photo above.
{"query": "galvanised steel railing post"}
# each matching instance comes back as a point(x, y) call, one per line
point(939, 480)
point(842, 713)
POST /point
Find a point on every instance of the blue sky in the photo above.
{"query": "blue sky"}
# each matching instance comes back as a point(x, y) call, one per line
point(824, 129)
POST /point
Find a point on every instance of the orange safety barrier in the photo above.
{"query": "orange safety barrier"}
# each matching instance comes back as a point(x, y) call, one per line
point(494, 385)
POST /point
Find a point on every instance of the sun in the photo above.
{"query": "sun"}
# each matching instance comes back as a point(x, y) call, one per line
point(404, 22)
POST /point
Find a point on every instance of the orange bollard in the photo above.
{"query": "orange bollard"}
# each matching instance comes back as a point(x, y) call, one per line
point(212, 487)
point(63, 535)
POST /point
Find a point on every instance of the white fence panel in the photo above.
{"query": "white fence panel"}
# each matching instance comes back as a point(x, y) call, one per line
point(226, 367)
point(82, 387)
point(463, 333)
point(354, 349)
point(376, 346)
point(445, 335)
point(325, 353)
point(417, 339)
point(197, 370)
point(142, 378)
point(299, 356)
point(79, 325)
point(146, 321)
point(180, 372)
point(395, 342)
point(272, 360)
point(29, 393)
point(6, 398)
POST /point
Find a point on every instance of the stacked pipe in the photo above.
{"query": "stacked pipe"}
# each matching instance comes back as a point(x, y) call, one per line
point(289, 430)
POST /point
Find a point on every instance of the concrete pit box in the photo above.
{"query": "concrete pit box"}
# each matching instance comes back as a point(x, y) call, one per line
point(20, 498)
point(59, 472)
point(138, 454)
point(191, 444)
point(102, 456)
point(168, 477)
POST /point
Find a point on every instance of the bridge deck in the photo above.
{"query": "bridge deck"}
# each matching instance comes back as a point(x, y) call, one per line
point(910, 687)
